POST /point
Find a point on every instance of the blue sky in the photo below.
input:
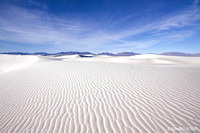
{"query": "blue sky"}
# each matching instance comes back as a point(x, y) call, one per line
point(145, 26)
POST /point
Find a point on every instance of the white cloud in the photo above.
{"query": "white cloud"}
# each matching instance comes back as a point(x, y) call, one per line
point(196, 2)
point(38, 27)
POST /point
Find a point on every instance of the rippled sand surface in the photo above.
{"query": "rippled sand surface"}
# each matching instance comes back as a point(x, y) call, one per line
point(66, 94)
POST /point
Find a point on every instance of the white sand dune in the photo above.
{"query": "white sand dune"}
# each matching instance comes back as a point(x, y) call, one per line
point(12, 62)
point(146, 59)
point(144, 93)
point(67, 57)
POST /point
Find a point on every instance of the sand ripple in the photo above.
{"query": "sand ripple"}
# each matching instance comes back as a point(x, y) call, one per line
point(73, 96)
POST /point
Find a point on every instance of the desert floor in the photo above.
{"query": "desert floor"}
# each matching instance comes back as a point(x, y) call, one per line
point(67, 94)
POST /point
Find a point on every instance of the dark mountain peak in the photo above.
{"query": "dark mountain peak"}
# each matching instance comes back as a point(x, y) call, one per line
point(73, 53)
point(106, 53)
point(41, 53)
point(15, 53)
point(126, 54)
point(181, 54)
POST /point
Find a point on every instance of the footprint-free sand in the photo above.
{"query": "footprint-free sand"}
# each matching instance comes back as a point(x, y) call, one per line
point(100, 94)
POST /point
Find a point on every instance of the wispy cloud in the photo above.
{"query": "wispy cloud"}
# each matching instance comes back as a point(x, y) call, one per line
point(38, 27)
point(37, 4)
point(196, 2)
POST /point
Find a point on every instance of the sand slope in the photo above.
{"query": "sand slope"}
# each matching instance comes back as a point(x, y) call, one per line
point(146, 59)
point(101, 94)
point(13, 62)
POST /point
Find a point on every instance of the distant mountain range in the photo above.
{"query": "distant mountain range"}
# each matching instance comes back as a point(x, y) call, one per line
point(72, 53)
point(181, 54)
point(22, 53)
point(119, 54)
point(104, 53)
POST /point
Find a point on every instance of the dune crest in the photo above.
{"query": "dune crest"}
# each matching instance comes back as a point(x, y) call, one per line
point(13, 62)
